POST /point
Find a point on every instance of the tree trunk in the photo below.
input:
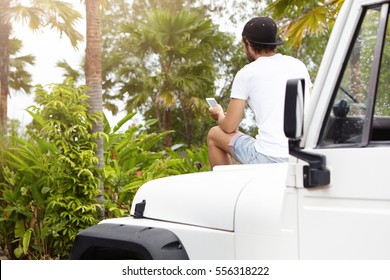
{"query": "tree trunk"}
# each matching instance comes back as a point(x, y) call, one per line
point(187, 126)
point(93, 76)
point(167, 126)
point(4, 65)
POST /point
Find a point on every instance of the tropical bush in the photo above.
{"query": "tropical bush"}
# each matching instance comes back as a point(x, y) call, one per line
point(48, 186)
point(49, 179)
point(135, 156)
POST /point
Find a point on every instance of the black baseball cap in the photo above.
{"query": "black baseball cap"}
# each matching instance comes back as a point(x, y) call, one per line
point(261, 30)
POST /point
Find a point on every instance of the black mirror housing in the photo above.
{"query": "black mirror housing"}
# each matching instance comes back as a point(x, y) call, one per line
point(294, 108)
point(316, 173)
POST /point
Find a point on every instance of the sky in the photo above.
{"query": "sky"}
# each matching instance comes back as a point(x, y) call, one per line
point(48, 48)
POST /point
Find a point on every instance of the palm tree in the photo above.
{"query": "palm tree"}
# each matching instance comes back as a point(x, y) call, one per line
point(19, 78)
point(57, 15)
point(176, 50)
point(93, 77)
point(304, 17)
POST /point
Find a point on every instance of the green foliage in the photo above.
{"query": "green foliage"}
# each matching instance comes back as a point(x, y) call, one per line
point(48, 187)
point(134, 157)
point(305, 27)
point(177, 50)
point(304, 17)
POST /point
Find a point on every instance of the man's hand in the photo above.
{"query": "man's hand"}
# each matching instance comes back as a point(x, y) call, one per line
point(230, 120)
point(216, 112)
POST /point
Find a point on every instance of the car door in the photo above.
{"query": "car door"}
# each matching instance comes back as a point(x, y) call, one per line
point(350, 217)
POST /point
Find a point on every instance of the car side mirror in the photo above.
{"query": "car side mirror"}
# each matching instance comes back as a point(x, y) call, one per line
point(294, 108)
point(316, 173)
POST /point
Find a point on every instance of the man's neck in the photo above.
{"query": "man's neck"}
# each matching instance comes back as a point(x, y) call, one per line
point(264, 54)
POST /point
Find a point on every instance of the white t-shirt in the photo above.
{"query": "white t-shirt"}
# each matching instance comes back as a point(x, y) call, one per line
point(262, 84)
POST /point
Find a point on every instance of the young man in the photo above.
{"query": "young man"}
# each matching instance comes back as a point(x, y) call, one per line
point(261, 84)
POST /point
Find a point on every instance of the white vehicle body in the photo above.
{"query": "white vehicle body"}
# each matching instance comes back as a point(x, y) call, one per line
point(265, 211)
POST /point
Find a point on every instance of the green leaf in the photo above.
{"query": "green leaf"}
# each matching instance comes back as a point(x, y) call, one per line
point(26, 240)
point(38, 118)
point(86, 171)
point(45, 190)
point(108, 172)
point(17, 161)
point(150, 122)
point(168, 98)
point(36, 193)
point(106, 125)
point(133, 185)
point(23, 191)
point(18, 252)
point(19, 230)
point(123, 121)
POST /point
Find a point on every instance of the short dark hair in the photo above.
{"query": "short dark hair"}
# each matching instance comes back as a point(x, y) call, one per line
point(258, 48)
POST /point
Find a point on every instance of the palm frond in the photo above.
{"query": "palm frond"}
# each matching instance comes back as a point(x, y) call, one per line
point(313, 22)
point(25, 14)
point(69, 72)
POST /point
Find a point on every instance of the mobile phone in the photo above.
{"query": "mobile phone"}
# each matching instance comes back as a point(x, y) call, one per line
point(212, 102)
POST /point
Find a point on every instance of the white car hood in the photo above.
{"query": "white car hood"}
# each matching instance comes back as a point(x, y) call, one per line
point(206, 199)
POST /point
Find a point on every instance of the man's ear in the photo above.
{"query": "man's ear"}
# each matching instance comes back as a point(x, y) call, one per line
point(245, 41)
point(246, 44)
point(250, 49)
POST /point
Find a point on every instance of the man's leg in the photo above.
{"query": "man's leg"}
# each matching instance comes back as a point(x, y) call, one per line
point(218, 146)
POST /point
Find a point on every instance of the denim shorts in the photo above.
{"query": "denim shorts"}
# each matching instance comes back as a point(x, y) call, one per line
point(243, 149)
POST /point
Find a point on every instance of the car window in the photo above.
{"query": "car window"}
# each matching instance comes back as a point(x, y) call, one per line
point(352, 105)
point(381, 121)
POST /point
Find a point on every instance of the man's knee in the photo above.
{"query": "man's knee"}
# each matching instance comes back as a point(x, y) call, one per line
point(213, 134)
